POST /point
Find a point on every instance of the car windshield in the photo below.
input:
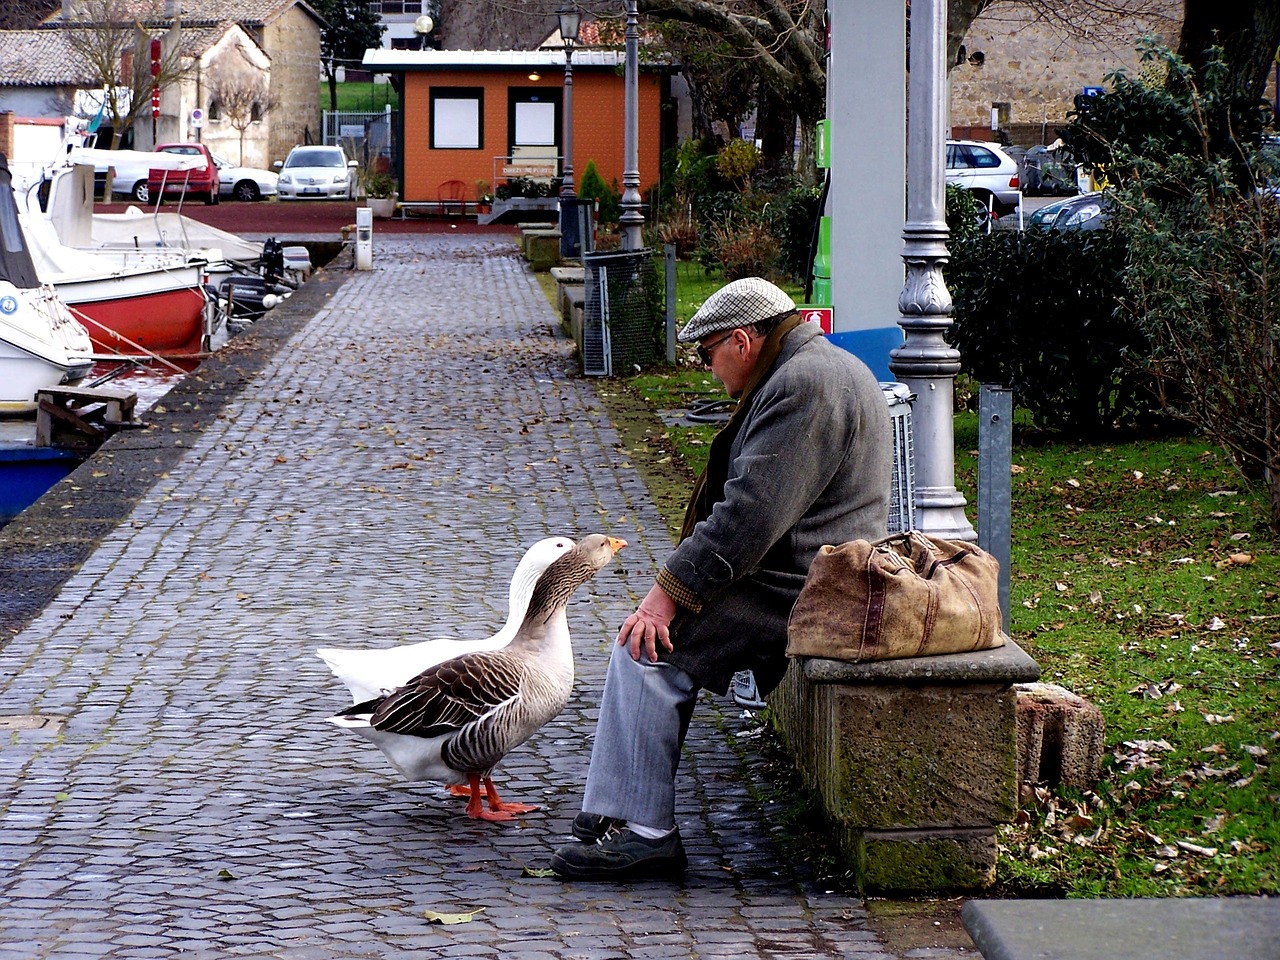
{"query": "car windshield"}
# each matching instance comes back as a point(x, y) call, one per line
point(315, 158)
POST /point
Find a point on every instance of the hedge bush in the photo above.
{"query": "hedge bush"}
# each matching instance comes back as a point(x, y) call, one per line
point(1039, 312)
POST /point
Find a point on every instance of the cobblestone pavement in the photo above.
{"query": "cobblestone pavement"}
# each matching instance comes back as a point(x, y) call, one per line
point(374, 482)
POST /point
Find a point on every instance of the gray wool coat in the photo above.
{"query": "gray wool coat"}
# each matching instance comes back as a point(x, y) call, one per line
point(811, 465)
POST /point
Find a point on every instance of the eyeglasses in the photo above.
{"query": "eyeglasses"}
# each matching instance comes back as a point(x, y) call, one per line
point(704, 350)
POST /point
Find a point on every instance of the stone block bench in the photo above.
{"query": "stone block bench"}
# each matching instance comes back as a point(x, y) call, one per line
point(915, 761)
point(1230, 928)
point(570, 296)
point(541, 247)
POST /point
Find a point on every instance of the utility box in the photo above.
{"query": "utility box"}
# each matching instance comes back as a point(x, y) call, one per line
point(364, 238)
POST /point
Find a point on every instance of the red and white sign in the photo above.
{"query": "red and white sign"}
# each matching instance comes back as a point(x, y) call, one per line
point(823, 315)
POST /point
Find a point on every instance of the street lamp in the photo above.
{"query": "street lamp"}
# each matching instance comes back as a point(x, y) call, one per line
point(422, 26)
point(632, 219)
point(570, 241)
point(925, 362)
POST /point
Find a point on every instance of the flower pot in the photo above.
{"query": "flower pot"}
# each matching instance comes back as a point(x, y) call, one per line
point(384, 208)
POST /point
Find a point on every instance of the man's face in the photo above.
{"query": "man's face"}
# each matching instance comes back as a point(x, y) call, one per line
point(731, 355)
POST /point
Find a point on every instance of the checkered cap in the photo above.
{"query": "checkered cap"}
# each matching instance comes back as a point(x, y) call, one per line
point(738, 304)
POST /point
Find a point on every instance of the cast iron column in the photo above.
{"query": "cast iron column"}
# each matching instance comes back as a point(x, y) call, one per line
point(632, 219)
point(925, 362)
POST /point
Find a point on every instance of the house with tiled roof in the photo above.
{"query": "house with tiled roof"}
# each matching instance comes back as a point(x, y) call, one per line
point(278, 39)
point(39, 79)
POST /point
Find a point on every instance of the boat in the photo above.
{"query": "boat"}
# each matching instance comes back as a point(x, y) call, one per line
point(156, 305)
point(130, 310)
point(41, 344)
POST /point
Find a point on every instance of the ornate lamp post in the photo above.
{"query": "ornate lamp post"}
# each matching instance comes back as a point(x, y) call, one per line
point(925, 362)
point(632, 219)
point(570, 241)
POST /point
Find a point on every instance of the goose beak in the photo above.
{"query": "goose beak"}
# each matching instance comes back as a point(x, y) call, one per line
point(616, 544)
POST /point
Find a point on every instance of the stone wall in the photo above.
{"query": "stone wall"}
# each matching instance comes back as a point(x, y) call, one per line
point(1013, 56)
point(293, 43)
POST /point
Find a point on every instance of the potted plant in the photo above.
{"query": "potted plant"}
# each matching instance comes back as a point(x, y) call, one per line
point(380, 194)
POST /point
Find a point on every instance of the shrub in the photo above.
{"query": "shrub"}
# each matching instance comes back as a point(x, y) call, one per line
point(737, 160)
point(1039, 312)
point(793, 217)
point(743, 248)
point(1195, 196)
point(608, 198)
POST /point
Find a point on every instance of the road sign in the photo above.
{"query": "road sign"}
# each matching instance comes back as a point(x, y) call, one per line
point(197, 118)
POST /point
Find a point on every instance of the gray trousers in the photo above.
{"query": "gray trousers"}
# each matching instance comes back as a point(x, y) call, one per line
point(644, 715)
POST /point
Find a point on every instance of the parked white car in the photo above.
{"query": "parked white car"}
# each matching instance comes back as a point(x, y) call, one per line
point(240, 183)
point(320, 172)
point(987, 171)
point(245, 183)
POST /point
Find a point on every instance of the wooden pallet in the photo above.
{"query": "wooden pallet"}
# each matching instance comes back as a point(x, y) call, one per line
point(82, 417)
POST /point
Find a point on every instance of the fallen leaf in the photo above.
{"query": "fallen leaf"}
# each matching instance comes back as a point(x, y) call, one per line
point(448, 919)
point(1216, 718)
point(1198, 850)
point(538, 872)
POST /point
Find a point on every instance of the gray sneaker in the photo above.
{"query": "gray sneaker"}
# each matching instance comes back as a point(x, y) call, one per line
point(590, 827)
point(622, 855)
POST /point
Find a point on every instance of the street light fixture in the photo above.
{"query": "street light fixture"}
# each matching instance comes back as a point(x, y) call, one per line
point(570, 241)
point(422, 26)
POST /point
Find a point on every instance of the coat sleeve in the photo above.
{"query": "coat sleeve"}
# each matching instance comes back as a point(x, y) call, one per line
point(799, 433)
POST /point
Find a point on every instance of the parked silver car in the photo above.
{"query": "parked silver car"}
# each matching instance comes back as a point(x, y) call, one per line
point(320, 172)
point(245, 183)
point(987, 171)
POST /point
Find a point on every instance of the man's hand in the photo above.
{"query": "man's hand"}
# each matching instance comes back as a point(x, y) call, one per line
point(648, 626)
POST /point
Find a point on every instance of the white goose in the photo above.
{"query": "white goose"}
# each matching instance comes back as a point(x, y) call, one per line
point(458, 719)
point(376, 672)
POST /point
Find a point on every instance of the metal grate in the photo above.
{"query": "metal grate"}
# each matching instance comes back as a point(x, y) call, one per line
point(902, 500)
point(618, 312)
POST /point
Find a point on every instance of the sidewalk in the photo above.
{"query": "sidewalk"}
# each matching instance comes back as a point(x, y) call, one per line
point(364, 471)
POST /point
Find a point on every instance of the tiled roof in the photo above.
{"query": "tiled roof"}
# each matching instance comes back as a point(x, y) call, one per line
point(250, 12)
point(39, 58)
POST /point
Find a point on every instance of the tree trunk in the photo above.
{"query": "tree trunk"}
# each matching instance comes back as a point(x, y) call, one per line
point(776, 131)
point(1248, 33)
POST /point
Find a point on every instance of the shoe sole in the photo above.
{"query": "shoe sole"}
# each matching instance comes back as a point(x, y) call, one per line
point(665, 868)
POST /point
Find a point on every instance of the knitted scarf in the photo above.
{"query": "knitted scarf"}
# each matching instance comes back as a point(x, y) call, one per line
point(708, 489)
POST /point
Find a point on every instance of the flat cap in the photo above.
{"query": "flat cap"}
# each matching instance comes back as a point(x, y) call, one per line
point(737, 304)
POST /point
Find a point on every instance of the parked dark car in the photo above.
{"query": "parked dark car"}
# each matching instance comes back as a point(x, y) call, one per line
point(1088, 211)
point(1045, 175)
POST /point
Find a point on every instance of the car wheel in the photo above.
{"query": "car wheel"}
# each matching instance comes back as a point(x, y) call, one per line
point(140, 192)
point(246, 191)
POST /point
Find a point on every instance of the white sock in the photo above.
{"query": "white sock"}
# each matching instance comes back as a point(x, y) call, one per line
point(649, 833)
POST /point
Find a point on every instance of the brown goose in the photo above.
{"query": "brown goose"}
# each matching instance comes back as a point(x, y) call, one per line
point(456, 721)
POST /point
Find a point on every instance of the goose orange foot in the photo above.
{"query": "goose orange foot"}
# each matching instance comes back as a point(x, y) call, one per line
point(499, 810)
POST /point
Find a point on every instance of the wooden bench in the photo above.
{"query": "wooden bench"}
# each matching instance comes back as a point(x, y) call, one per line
point(1179, 928)
point(81, 417)
point(914, 761)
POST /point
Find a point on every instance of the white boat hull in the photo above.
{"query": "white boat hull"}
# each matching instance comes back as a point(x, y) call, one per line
point(41, 346)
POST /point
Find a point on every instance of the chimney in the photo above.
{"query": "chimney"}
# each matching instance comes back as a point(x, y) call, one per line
point(66, 9)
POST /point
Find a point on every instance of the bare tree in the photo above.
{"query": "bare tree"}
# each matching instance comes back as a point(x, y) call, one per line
point(108, 37)
point(240, 92)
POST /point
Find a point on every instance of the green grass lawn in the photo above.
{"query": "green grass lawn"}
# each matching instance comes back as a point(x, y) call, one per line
point(361, 97)
point(1142, 578)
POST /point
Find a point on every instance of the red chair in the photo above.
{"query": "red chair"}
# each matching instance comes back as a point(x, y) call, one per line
point(452, 196)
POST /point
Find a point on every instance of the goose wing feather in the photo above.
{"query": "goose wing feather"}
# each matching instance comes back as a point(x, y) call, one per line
point(450, 695)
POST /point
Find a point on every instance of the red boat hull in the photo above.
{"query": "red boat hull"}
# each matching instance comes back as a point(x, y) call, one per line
point(169, 322)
